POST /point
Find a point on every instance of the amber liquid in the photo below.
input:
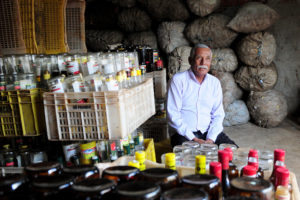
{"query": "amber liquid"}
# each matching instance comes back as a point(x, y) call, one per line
point(225, 182)
point(233, 171)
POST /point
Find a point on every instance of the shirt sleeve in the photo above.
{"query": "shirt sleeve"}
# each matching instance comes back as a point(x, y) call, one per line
point(217, 115)
point(174, 105)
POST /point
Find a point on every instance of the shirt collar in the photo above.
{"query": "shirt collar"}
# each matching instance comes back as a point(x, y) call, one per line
point(193, 77)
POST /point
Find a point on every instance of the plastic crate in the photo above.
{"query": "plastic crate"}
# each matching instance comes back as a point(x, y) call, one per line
point(160, 83)
point(9, 114)
point(98, 115)
point(75, 26)
point(28, 25)
point(50, 26)
point(150, 149)
point(11, 37)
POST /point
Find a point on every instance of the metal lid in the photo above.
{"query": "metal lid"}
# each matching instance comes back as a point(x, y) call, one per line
point(94, 185)
point(80, 169)
point(60, 182)
point(120, 170)
point(252, 184)
point(139, 189)
point(200, 179)
point(160, 173)
point(185, 193)
point(42, 166)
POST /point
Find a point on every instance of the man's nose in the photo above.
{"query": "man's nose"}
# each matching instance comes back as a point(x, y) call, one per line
point(201, 61)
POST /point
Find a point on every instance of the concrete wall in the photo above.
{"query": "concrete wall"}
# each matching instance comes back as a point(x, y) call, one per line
point(287, 33)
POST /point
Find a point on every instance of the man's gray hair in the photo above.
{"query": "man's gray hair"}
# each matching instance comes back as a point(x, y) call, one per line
point(193, 50)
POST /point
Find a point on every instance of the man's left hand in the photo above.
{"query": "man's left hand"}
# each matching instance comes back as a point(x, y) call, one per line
point(209, 141)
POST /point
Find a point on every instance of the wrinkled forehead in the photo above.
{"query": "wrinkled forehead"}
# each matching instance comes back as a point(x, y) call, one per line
point(203, 52)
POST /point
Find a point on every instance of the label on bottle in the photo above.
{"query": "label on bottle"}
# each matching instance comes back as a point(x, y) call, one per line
point(73, 67)
point(2, 86)
point(92, 67)
point(10, 164)
point(17, 85)
point(57, 88)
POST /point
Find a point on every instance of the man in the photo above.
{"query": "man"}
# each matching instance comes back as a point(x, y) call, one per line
point(194, 102)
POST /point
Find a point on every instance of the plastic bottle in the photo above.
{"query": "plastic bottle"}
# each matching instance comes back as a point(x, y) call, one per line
point(134, 163)
point(200, 164)
point(140, 156)
point(170, 162)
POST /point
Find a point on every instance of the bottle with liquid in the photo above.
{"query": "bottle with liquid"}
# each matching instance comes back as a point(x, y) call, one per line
point(253, 160)
point(279, 157)
point(249, 171)
point(184, 193)
point(282, 193)
point(121, 174)
point(82, 172)
point(200, 164)
point(170, 161)
point(140, 156)
point(233, 170)
point(134, 163)
point(215, 168)
point(223, 157)
point(283, 179)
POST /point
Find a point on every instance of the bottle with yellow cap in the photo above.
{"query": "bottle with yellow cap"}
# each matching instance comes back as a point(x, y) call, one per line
point(200, 164)
point(140, 156)
point(134, 163)
point(170, 161)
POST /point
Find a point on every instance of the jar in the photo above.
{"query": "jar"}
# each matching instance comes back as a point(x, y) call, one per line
point(231, 146)
point(72, 65)
point(82, 172)
point(11, 185)
point(252, 187)
point(178, 158)
point(42, 169)
point(181, 151)
point(266, 160)
point(120, 174)
point(52, 187)
point(9, 156)
point(209, 183)
point(184, 193)
point(191, 144)
point(166, 178)
point(93, 189)
point(56, 85)
point(24, 158)
point(138, 190)
point(38, 156)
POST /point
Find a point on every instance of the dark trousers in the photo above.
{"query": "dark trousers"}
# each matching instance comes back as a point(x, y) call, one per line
point(178, 139)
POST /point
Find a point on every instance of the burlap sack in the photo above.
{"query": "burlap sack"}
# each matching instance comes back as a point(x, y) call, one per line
point(257, 48)
point(211, 31)
point(224, 60)
point(203, 7)
point(257, 79)
point(134, 19)
point(146, 38)
point(178, 60)
point(166, 10)
point(268, 109)
point(124, 3)
point(231, 90)
point(170, 35)
point(99, 40)
point(236, 113)
point(253, 17)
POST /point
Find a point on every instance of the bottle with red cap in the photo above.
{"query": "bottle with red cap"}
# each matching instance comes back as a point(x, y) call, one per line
point(233, 170)
point(279, 157)
point(253, 161)
point(282, 179)
point(224, 160)
point(215, 168)
point(249, 171)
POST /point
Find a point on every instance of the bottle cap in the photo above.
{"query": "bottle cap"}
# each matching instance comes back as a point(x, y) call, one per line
point(253, 153)
point(282, 176)
point(249, 170)
point(200, 159)
point(140, 155)
point(134, 163)
point(224, 159)
point(254, 164)
point(279, 154)
point(229, 150)
point(170, 157)
point(215, 168)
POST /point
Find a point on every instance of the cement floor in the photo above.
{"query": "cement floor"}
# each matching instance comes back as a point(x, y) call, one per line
point(286, 136)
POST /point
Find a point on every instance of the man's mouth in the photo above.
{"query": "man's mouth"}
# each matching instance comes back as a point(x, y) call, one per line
point(202, 67)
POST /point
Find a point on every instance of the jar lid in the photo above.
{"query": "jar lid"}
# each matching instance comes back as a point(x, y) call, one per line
point(42, 166)
point(139, 189)
point(80, 169)
point(159, 173)
point(200, 179)
point(252, 185)
point(185, 193)
point(241, 198)
point(121, 170)
point(12, 180)
point(60, 182)
point(94, 185)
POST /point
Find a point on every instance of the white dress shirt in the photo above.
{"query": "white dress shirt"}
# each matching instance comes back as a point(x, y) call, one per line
point(192, 106)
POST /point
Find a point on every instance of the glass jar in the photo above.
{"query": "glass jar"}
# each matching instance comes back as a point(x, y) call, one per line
point(184, 193)
point(266, 160)
point(138, 190)
point(181, 151)
point(252, 187)
point(120, 174)
point(52, 187)
point(178, 157)
point(24, 158)
point(11, 185)
point(166, 178)
point(191, 144)
point(224, 145)
point(93, 189)
point(9, 156)
point(42, 169)
point(56, 84)
point(209, 183)
point(38, 156)
point(82, 172)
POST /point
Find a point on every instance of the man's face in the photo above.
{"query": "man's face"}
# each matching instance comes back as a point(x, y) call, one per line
point(201, 61)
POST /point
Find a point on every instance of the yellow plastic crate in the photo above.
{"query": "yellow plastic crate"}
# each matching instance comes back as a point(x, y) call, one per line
point(26, 8)
point(150, 149)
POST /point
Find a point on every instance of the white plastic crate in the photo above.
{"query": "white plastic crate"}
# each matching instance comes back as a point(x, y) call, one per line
point(99, 115)
point(160, 83)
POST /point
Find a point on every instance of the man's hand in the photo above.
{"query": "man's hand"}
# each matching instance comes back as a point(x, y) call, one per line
point(198, 140)
point(209, 141)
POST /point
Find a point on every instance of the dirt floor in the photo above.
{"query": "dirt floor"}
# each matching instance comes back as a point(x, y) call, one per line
point(286, 136)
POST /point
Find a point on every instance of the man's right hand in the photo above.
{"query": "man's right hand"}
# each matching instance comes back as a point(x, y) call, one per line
point(198, 140)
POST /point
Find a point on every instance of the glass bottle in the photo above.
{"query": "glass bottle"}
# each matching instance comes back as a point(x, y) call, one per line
point(120, 174)
point(249, 171)
point(82, 172)
point(233, 170)
point(224, 160)
point(215, 168)
point(166, 178)
point(283, 179)
point(140, 156)
point(9, 156)
point(34, 171)
point(184, 193)
point(282, 193)
point(279, 157)
point(209, 183)
point(12, 186)
point(253, 160)
point(200, 164)
point(170, 161)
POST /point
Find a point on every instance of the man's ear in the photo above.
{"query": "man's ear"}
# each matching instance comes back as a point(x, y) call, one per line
point(190, 60)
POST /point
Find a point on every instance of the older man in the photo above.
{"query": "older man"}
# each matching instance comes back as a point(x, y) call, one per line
point(194, 103)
